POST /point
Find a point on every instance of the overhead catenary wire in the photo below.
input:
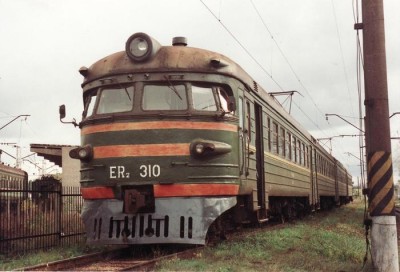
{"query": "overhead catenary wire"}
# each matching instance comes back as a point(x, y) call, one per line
point(284, 57)
point(295, 74)
point(269, 74)
point(258, 63)
point(241, 45)
point(342, 56)
point(359, 69)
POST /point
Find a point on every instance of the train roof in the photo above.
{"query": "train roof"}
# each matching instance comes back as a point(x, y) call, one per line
point(181, 58)
point(11, 170)
point(168, 59)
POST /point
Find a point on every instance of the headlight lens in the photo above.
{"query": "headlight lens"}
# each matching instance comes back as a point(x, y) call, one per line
point(140, 47)
point(199, 148)
point(82, 153)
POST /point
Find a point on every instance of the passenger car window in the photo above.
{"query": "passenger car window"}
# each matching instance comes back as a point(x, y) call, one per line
point(159, 97)
point(275, 138)
point(115, 100)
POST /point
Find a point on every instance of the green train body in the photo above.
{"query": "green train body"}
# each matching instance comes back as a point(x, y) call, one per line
point(13, 187)
point(175, 139)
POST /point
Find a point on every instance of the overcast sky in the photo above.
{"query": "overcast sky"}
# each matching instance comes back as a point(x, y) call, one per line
point(308, 46)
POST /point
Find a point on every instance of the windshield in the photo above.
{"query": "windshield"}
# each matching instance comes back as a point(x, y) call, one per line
point(115, 100)
point(158, 97)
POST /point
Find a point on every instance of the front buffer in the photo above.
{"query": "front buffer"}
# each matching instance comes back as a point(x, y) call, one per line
point(183, 220)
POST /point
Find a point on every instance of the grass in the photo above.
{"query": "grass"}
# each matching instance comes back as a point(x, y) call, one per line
point(326, 241)
point(45, 256)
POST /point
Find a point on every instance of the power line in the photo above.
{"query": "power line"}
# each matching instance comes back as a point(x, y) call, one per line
point(266, 72)
point(342, 57)
point(285, 58)
point(297, 77)
point(241, 45)
point(295, 74)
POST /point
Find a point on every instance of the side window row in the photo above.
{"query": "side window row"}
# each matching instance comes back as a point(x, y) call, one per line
point(325, 167)
point(282, 142)
point(277, 139)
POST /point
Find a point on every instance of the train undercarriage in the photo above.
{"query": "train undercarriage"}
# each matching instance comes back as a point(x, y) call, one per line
point(281, 210)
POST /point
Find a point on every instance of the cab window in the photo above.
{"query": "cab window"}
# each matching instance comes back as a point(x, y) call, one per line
point(159, 97)
point(203, 98)
point(90, 102)
point(241, 119)
point(115, 100)
point(223, 100)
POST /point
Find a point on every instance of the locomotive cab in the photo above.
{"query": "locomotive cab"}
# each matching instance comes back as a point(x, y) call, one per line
point(159, 150)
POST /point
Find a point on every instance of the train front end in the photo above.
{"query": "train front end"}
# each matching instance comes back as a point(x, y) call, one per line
point(159, 145)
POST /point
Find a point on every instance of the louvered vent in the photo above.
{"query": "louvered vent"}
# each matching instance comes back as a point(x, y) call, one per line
point(255, 87)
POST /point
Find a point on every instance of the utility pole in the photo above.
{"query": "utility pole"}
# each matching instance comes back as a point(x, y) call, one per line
point(379, 159)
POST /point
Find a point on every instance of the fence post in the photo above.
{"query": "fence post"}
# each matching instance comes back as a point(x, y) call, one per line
point(58, 211)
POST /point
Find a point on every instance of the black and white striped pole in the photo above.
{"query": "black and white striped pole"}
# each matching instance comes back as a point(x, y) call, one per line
point(379, 157)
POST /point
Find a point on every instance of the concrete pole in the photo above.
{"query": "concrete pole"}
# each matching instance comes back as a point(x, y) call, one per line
point(380, 173)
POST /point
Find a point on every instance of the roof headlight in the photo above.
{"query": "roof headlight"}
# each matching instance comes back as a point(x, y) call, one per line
point(141, 47)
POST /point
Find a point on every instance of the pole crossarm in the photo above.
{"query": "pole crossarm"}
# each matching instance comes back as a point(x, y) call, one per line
point(350, 154)
point(337, 115)
point(338, 136)
point(26, 115)
point(2, 151)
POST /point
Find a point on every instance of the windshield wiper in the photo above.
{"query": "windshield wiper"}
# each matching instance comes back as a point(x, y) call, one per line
point(172, 87)
point(126, 91)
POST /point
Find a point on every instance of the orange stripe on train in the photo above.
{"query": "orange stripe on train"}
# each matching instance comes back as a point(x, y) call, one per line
point(169, 190)
point(180, 190)
point(97, 193)
point(158, 125)
point(142, 150)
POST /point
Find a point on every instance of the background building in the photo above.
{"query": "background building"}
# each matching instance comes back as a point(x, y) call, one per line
point(59, 155)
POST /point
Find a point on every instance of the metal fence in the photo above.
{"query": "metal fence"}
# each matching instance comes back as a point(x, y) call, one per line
point(38, 219)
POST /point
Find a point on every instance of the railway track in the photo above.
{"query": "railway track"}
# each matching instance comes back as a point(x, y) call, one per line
point(144, 258)
point(123, 259)
point(140, 258)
